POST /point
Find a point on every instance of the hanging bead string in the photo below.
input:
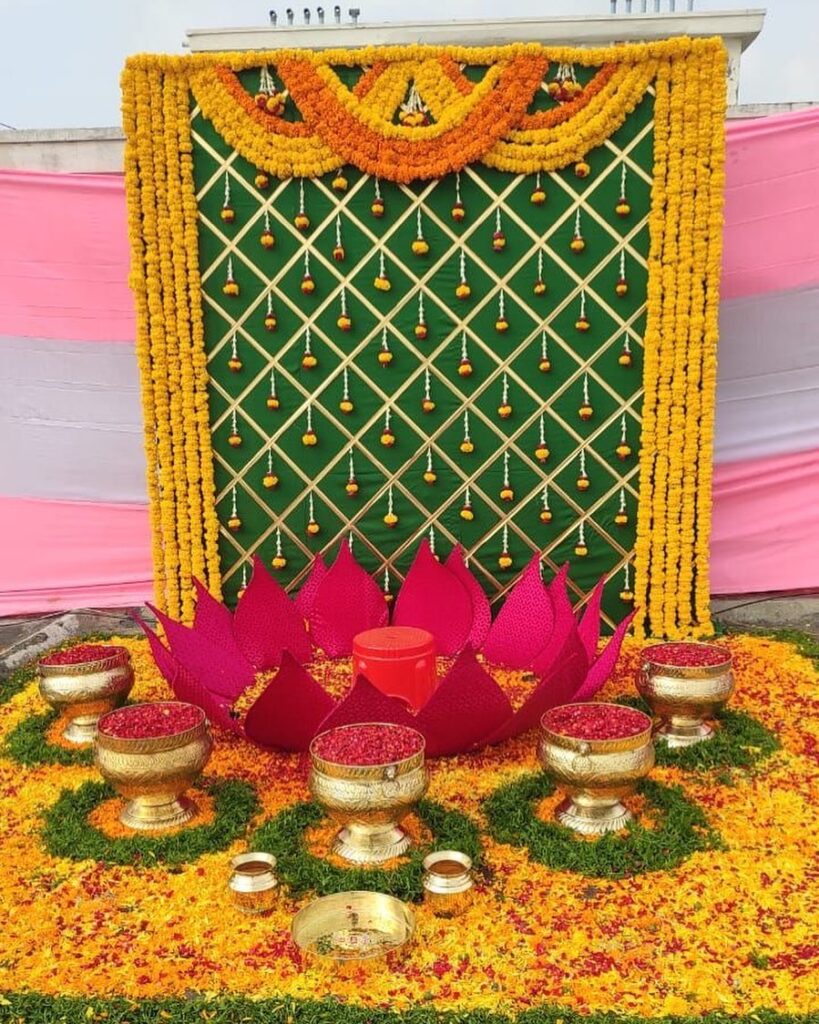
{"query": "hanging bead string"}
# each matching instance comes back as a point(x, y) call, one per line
point(278, 542)
point(623, 180)
point(501, 309)
point(230, 268)
point(458, 187)
point(311, 516)
point(234, 354)
point(467, 496)
point(626, 345)
point(432, 539)
point(623, 429)
point(623, 263)
point(309, 419)
point(338, 230)
point(420, 307)
point(466, 425)
point(582, 461)
point(539, 264)
point(498, 220)
point(352, 465)
point(429, 459)
point(505, 537)
point(389, 501)
point(244, 575)
point(343, 300)
point(387, 420)
point(462, 261)
point(505, 390)
point(270, 303)
point(301, 195)
point(227, 189)
point(537, 180)
point(382, 272)
point(626, 577)
point(350, 540)
point(270, 460)
point(464, 351)
point(233, 425)
point(386, 579)
point(233, 511)
point(306, 262)
point(267, 220)
point(377, 189)
point(345, 394)
point(577, 223)
point(418, 223)
point(266, 80)
point(545, 498)
point(544, 346)
point(586, 389)
point(542, 434)
point(307, 340)
point(622, 499)
point(506, 469)
point(582, 303)
point(581, 533)
point(427, 386)
point(385, 345)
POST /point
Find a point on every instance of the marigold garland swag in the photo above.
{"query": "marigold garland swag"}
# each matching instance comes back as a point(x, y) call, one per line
point(490, 122)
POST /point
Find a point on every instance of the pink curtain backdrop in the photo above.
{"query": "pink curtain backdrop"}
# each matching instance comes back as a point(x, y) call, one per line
point(64, 274)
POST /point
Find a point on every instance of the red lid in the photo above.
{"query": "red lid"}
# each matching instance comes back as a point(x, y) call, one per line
point(393, 642)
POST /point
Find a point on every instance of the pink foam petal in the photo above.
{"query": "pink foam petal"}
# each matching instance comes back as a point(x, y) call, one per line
point(289, 710)
point(266, 622)
point(481, 610)
point(603, 667)
point(433, 598)
point(467, 705)
point(364, 703)
point(212, 619)
point(523, 623)
point(589, 627)
point(565, 636)
point(347, 601)
point(184, 685)
point(218, 669)
point(307, 594)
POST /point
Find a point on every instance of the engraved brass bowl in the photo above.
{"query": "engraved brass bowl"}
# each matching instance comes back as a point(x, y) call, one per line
point(685, 697)
point(153, 773)
point(84, 691)
point(253, 882)
point(353, 926)
point(596, 775)
point(370, 801)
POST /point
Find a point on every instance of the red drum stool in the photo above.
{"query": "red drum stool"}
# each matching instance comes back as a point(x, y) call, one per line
point(399, 661)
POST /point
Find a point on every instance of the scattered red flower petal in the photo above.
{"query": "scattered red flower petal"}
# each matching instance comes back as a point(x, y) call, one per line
point(80, 654)
point(682, 655)
point(595, 721)
point(368, 744)
point(146, 721)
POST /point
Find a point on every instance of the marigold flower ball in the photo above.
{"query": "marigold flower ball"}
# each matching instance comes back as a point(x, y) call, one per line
point(430, 476)
point(260, 99)
point(346, 406)
point(387, 438)
point(309, 361)
point(582, 324)
point(582, 169)
point(385, 357)
point(467, 447)
point(351, 487)
point(542, 453)
point(572, 88)
point(278, 562)
point(302, 221)
point(545, 515)
point(581, 550)
point(390, 519)
point(421, 331)
point(623, 208)
point(269, 481)
point(234, 365)
point(267, 240)
point(262, 180)
point(377, 208)
point(498, 241)
point(458, 212)
point(382, 283)
point(585, 412)
point(544, 365)
point(505, 411)
point(240, 593)
point(308, 285)
point(539, 287)
point(272, 402)
point(234, 523)
point(467, 514)
point(270, 322)
point(555, 88)
point(275, 103)
point(465, 368)
point(623, 451)
point(338, 253)
point(577, 244)
point(621, 519)
point(505, 561)
point(624, 359)
point(538, 197)
point(228, 214)
point(339, 183)
point(501, 325)
point(428, 405)
point(420, 247)
point(344, 322)
point(234, 440)
point(309, 439)
point(230, 288)
point(507, 494)
point(463, 291)
point(621, 288)
point(627, 596)
point(313, 528)
point(583, 483)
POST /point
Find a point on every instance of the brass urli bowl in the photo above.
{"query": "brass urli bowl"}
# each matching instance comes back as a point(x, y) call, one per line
point(684, 697)
point(353, 926)
point(370, 801)
point(83, 691)
point(153, 773)
point(596, 775)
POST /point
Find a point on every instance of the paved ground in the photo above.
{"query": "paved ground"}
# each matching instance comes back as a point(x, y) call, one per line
point(23, 637)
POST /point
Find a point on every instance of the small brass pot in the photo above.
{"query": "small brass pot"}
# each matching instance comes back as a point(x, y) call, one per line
point(369, 801)
point(84, 691)
point(447, 882)
point(353, 926)
point(253, 882)
point(596, 775)
point(153, 773)
point(684, 697)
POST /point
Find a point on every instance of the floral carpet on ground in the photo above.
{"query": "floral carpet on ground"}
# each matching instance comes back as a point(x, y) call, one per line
point(732, 929)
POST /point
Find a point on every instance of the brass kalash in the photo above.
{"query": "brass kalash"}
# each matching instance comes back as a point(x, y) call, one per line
point(83, 691)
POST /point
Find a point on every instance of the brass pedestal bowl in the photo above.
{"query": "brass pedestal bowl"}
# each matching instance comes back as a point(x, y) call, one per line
point(84, 690)
point(596, 774)
point(353, 926)
point(369, 800)
point(153, 772)
point(685, 695)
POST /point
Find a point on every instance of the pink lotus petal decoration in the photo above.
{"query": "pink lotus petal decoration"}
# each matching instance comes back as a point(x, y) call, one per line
point(266, 622)
point(213, 662)
point(433, 598)
point(347, 601)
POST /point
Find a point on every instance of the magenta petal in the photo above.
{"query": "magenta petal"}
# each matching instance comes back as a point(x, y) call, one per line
point(467, 706)
point(289, 710)
point(307, 594)
point(266, 622)
point(523, 623)
point(347, 602)
point(218, 669)
point(602, 668)
point(366, 704)
point(589, 628)
point(212, 619)
point(481, 611)
point(434, 599)
point(184, 685)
